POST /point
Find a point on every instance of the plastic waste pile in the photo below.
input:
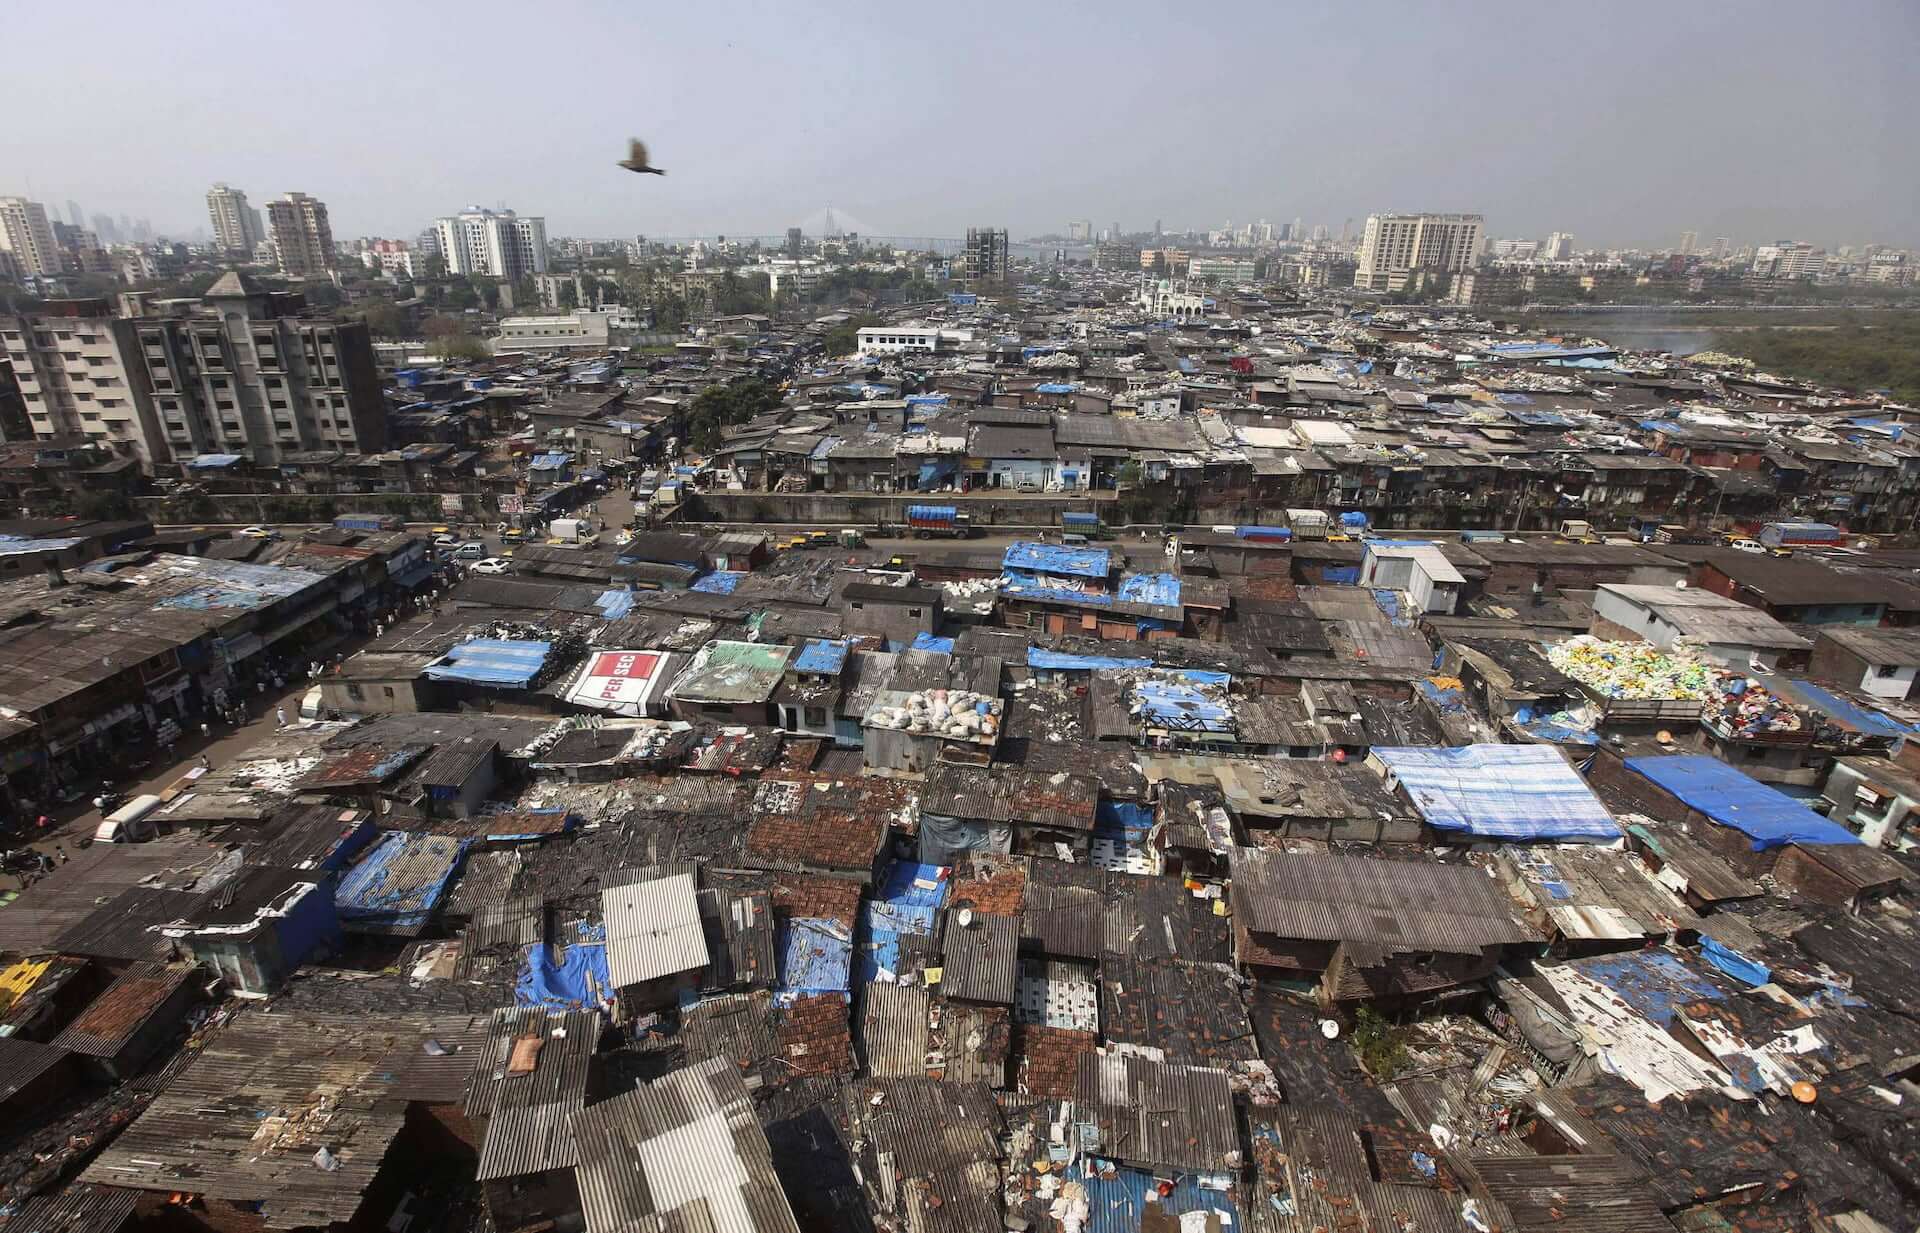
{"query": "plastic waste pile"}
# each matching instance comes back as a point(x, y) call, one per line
point(1732, 701)
point(1634, 670)
point(957, 713)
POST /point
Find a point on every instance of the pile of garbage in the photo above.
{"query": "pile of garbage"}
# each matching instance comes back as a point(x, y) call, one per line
point(1732, 701)
point(1638, 671)
point(958, 713)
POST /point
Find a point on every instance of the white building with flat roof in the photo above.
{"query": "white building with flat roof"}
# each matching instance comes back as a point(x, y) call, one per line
point(494, 244)
point(894, 339)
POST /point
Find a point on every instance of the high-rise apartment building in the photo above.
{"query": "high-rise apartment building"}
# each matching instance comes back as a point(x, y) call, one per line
point(80, 375)
point(236, 225)
point(302, 237)
point(250, 374)
point(1689, 240)
point(985, 257)
point(495, 244)
point(1559, 246)
point(26, 233)
point(1394, 246)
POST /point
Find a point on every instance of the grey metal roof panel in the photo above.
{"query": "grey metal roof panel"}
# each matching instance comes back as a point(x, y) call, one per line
point(80, 1208)
point(893, 1030)
point(1157, 1115)
point(23, 1061)
point(683, 1152)
point(981, 959)
point(204, 1131)
point(561, 1066)
point(920, 1127)
point(1391, 904)
point(653, 929)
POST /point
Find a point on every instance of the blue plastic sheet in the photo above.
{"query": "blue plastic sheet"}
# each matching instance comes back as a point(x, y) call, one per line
point(1733, 963)
point(492, 661)
point(1655, 983)
point(720, 582)
point(816, 956)
point(1115, 1205)
point(1127, 818)
point(1161, 589)
point(580, 981)
point(1026, 586)
point(1769, 818)
point(614, 604)
point(900, 906)
point(1037, 558)
point(1813, 697)
point(824, 656)
point(1499, 791)
point(1061, 661)
point(398, 885)
point(1179, 705)
point(927, 642)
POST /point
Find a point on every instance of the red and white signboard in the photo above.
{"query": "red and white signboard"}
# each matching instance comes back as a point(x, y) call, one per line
point(620, 681)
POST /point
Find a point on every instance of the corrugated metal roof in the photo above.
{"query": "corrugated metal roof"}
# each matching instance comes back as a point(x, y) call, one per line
point(105, 1026)
point(80, 1208)
point(123, 928)
point(981, 960)
point(1577, 1194)
point(920, 1127)
point(653, 929)
point(1156, 1115)
point(23, 1061)
point(1324, 1171)
point(439, 1069)
point(530, 1078)
point(1386, 904)
point(205, 1132)
point(512, 922)
point(893, 1030)
point(684, 1152)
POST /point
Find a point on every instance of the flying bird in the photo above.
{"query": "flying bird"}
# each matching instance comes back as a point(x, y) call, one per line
point(636, 159)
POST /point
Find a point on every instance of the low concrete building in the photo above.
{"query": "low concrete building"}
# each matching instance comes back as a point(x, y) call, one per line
point(1729, 632)
point(1884, 663)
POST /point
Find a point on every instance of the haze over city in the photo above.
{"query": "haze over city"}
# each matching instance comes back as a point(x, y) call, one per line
point(1622, 126)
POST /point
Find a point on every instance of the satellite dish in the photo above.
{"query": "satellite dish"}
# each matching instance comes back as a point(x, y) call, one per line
point(1330, 1028)
point(1664, 737)
point(965, 917)
point(1805, 1092)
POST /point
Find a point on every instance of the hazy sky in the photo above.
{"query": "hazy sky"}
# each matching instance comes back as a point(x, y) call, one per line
point(1621, 121)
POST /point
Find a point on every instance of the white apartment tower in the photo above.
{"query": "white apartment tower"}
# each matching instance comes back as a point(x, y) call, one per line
point(1396, 245)
point(497, 244)
point(81, 377)
point(236, 225)
point(26, 233)
point(302, 237)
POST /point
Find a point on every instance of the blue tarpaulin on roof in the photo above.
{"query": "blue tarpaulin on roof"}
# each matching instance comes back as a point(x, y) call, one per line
point(1162, 589)
point(1116, 1204)
point(580, 981)
point(1654, 983)
point(398, 884)
point(821, 655)
point(1731, 798)
point(1032, 557)
point(549, 462)
point(927, 642)
point(1060, 661)
point(904, 903)
point(1175, 704)
point(1026, 587)
point(614, 604)
point(1814, 698)
point(1733, 963)
point(816, 956)
point(720, 582)
point(1127, 818)
point(492, 661)
point(207, 461)
point(1054, 387)
point(1499, 791)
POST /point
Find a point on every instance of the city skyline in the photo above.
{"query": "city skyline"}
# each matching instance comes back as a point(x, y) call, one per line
point(1649, 135)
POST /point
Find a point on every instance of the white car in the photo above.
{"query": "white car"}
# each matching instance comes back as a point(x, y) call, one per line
point(492, 565)
point(258, 533)
point(1746, 545)
point(446, 540)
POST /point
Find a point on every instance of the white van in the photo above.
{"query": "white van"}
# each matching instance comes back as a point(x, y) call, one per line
point(130, 823)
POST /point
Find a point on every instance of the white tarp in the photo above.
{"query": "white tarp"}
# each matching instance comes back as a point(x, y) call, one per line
point(619, 681)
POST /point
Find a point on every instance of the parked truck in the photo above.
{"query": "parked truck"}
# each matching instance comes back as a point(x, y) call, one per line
point(1308, 523)
point(1801, 535)
point(572, 530)
point(939, 522)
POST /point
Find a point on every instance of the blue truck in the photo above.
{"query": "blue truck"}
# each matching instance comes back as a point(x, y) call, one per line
point(938, 522)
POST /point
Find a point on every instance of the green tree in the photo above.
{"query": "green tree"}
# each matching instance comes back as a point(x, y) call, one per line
point(384, 319)
point(322, 295)
point(844, 339)
point(448, 338)
point(719, 407)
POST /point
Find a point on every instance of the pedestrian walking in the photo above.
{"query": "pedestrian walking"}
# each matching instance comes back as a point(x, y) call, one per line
point(206, 730)
point(280, 714)
point(204, 764)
